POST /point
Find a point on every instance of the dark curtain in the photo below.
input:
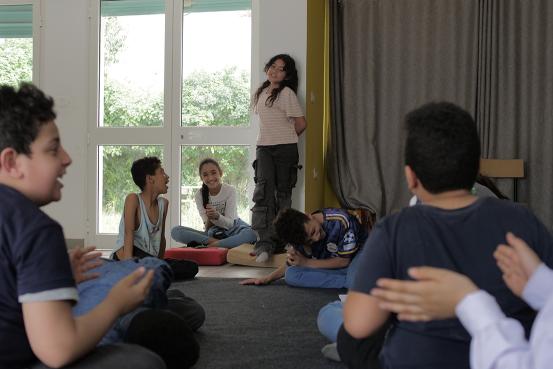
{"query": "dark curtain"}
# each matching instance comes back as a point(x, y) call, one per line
point(515, 94)
point(492, 57)
point(388, 57)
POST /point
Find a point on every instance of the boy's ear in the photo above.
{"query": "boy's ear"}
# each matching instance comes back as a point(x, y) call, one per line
point(8, 162)
point(411, 178)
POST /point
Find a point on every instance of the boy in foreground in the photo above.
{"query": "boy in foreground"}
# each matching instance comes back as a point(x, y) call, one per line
point(450, 229)
point(498, 342)
point(37, 284)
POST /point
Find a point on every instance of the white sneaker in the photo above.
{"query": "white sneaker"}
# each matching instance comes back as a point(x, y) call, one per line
point(262, 258)
point(330, 351)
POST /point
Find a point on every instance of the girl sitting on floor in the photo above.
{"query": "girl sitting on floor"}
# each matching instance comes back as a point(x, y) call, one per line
point(216, 202)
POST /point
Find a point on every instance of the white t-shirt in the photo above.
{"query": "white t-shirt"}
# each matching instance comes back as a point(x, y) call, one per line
point(276, 126)
point(225, 204)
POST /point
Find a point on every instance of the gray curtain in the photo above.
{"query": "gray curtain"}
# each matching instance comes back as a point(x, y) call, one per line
point(493, 57)
point(388, 57)
point(515, 94)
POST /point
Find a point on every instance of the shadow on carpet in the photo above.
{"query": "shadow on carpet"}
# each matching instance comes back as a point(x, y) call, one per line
point(263, 327)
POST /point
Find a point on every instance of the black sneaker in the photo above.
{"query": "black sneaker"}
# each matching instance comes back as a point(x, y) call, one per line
point(194, 244)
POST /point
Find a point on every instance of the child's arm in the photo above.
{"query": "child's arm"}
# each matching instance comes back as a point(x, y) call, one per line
point(433, 295)
point(300, 124)
point(362, 315)
point(82, 260)
point(517, 262)
point(275, 275)
point(298, 259)
point(163, 242)
point(57, 338)
point(226, 220)
point(130, 210)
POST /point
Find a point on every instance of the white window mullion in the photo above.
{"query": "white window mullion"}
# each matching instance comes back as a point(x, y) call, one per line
point(175, 45)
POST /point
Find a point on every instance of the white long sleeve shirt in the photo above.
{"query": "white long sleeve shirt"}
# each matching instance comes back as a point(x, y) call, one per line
point(225, 204)
point(498, 342)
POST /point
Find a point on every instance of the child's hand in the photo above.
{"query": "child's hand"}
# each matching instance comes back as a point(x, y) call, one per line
point(517, 262)
point(296, 258)
point(256, 281)
point(82, 260)
point(434, 295)
point(129, 292)
point(211, 212)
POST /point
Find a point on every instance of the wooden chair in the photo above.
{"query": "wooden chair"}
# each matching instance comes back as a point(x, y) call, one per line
point(503, 168)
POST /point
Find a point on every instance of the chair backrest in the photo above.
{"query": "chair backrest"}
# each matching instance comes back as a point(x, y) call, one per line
point(502, 168)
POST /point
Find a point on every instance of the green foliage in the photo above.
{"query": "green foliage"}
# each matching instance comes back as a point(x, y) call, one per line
point(113, 40)
point(16, 60)
point(117, 180)
point(232, 159)
point(221, 98)
point(209, 99)
point(127, 107)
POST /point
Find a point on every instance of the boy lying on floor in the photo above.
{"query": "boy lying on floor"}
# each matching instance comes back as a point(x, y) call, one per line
point(321, 251)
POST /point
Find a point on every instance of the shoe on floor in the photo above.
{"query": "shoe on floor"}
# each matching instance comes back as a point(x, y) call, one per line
point(262, 257)
point(330, 351)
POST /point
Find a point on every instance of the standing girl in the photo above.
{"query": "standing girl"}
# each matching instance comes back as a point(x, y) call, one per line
point(281, 122)
point(216, 203)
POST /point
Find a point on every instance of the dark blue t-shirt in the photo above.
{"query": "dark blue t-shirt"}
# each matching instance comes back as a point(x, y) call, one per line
point(344, 236)
point(462, 240)
point(34, 266)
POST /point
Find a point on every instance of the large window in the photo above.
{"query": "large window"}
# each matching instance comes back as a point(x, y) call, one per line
point(173, 80)
point(16, 43)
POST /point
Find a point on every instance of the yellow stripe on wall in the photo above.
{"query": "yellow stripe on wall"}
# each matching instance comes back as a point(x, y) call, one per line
point(318, 193)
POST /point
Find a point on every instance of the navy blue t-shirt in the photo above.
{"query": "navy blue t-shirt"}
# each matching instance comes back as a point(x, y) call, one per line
point(462, 240)
point(34, 266)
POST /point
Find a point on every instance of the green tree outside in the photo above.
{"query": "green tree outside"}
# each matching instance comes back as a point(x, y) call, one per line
point(220, 98)
point(16, 61)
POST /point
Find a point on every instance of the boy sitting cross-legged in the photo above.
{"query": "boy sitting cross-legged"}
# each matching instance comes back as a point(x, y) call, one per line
point(37, 286)
point(321, 251)
point(142, 225)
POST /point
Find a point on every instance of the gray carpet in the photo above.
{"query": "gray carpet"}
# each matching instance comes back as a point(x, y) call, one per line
point(263, 327)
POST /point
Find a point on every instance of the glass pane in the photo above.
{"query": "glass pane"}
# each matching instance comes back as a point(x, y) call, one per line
point(16, 60)
point(131, 68)
point(234, 163)
point(216, 56)
point(115, 180)
point(16, 44)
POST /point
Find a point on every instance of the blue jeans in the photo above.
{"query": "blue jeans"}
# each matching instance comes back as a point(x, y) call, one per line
point(94, 291)
point(330, 319)
point(321, 278)
point(238, 234)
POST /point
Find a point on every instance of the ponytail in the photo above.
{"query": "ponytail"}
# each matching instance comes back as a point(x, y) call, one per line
point(205, 195)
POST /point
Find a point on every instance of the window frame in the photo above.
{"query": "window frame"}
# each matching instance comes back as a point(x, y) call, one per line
point(171, 135)
point(37, 31)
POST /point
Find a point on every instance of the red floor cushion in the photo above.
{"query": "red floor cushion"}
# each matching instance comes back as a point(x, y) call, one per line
point(207, 256)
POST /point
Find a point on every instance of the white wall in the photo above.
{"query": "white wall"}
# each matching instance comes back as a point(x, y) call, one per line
point(283, 30)
point(64, 70)
point(279, 26)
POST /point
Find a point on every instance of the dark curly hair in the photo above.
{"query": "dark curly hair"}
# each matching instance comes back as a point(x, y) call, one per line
point(143, 167)
point(290, 226)
point(22, 113)
point(442, 147)
point(290, 81)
